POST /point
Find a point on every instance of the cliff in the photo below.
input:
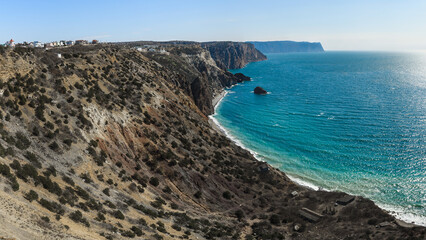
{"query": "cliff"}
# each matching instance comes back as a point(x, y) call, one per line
point(233, 55)
point(108, 142)
point(287, 46)
point(195, 72)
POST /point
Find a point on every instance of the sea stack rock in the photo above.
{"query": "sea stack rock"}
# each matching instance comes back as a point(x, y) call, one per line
point(259, 90)
point(241, 77)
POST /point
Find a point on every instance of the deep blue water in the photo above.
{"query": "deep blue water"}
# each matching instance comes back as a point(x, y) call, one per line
point(347, 121)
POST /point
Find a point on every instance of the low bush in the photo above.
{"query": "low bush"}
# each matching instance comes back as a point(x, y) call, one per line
point(52, 206)
point(46, 219)
point(106, 191)
point(154, 181)
point(22, 142)
point(137, 231)
point(226, 195)
point(118, 214)
point(33, 159)
point(77, 216)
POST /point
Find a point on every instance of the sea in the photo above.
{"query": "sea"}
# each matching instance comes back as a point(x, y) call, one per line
point(338, 121)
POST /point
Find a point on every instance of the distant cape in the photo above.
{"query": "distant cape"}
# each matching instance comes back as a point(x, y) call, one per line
point(287, 46)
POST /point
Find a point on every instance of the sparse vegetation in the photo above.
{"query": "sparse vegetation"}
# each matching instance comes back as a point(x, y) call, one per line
point(110, 136)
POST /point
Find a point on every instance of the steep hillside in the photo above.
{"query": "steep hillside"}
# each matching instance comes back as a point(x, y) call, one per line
point(287, 46)
point(233, 55)
point(106, 142)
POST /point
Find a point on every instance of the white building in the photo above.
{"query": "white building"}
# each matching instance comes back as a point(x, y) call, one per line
point(10, 43)
point(37, 44)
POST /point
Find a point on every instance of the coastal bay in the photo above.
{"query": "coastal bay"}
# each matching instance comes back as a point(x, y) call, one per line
point(280, 137)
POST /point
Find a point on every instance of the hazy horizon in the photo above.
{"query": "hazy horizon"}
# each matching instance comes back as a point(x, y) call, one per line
point(363, 25)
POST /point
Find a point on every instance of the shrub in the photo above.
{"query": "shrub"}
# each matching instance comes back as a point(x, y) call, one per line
point(27, 170)
point(137, 231)
point(46, 219)
point(197, 194)
point(54, 146)
point(167, 190)
point(13, 183)
point(160, 227)
point(33, 159)
point(77, 216)
point(128, 234)
point(226, 195)
point(39, 113)
point(5, 170)
point(100, 217)
point(133, 187)
point(22, 142)
point(15, 165)
point(52, 206)
point(110, 204)
point(68, 180)
point(174, 206)
point(158, 203)
point(274, 219)
point(67, 142)
point(118, 214)
point(93, 143)
point(51, 170)
point(86, 178)
point(106, 191)
point(176, 227)
point(49, 125)
point(154, 181)
point(239, 214)
point(51, 186)
point(82, 193)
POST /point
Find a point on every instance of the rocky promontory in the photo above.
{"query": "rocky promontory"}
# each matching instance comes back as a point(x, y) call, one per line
point(287, 46)
point(233, 55)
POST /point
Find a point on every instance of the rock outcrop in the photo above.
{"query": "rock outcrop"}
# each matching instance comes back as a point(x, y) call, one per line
point(259, 90)
point(242, 78)
point(287, 46)
point(197, 73)
point(233, 55)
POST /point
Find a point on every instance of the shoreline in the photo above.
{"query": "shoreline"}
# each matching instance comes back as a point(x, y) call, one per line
point(214, 123)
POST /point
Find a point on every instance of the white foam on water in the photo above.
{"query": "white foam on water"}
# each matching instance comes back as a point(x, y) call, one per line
point(402, 214)
point(232, 138)
point(303, 183)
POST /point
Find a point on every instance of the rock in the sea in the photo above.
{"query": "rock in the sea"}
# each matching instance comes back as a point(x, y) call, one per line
point(241, 77)
point(259, 90)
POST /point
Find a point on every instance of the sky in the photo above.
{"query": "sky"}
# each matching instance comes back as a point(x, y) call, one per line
point(397, 25)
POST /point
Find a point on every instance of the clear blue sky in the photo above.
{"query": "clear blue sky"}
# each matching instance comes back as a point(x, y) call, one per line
point(338, 24)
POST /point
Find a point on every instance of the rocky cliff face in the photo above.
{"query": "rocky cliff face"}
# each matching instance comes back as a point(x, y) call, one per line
point(233, 55)
point(109, 143)
point(287, 46)
point(197, 73)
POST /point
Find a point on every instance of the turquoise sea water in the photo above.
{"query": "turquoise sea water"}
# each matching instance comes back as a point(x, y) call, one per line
point(347, 121)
